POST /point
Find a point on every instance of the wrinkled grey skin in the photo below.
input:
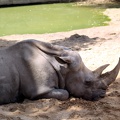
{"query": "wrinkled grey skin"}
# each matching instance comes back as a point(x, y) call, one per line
point(33, 69)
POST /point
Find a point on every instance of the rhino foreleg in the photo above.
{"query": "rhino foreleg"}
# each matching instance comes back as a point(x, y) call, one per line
point(59, 94)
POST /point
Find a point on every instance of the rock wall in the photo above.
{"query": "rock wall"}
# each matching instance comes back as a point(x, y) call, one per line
point(17, 2)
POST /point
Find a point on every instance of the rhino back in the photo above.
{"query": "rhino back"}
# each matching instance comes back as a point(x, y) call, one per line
point(36, 74)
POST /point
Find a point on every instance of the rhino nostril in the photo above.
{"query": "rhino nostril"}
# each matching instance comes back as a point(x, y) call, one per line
point(103, 94)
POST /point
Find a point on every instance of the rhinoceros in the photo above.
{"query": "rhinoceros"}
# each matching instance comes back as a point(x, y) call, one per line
point(34, 70)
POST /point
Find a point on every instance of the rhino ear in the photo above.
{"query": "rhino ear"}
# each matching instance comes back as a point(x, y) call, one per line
point(72, 59)
point(99, 70)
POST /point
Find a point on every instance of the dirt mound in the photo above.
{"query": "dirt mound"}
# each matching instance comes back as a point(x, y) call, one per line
point(76, 42)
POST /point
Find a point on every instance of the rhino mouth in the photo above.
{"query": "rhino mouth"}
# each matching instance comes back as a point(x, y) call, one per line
point(95, 95)
point(98, 95)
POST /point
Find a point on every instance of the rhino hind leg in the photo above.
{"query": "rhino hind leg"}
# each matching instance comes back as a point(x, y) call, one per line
point(19, 98)
point(59, 94)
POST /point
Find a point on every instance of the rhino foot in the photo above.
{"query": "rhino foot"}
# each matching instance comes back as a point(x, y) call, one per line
point(59, 94)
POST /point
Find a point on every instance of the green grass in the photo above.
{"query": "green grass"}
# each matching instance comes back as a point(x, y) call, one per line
point(38, 19)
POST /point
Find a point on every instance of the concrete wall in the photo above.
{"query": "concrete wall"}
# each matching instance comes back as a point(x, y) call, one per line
point(16, 2)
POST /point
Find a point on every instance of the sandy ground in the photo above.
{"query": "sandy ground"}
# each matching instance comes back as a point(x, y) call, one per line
point(97, 46)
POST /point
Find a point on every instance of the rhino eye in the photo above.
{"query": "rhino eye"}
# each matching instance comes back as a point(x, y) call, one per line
point(88, 82)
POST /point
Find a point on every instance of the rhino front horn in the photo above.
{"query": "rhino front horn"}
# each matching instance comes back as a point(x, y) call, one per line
point(109, 77)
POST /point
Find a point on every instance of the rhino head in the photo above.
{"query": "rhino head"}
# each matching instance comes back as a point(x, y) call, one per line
point(84, 83)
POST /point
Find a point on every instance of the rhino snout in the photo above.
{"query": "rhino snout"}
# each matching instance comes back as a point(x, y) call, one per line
point(94, 95)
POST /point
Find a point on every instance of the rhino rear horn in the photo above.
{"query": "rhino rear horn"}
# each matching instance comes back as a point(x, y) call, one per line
point(99, 70)
point(110, 77)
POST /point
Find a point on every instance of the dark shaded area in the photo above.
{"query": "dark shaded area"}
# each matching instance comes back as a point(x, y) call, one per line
point(114, 4)
point(34, 3)
point(77, 42)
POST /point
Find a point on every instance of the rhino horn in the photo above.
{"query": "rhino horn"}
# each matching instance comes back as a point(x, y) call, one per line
point(109, 77)
point(99, 70)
